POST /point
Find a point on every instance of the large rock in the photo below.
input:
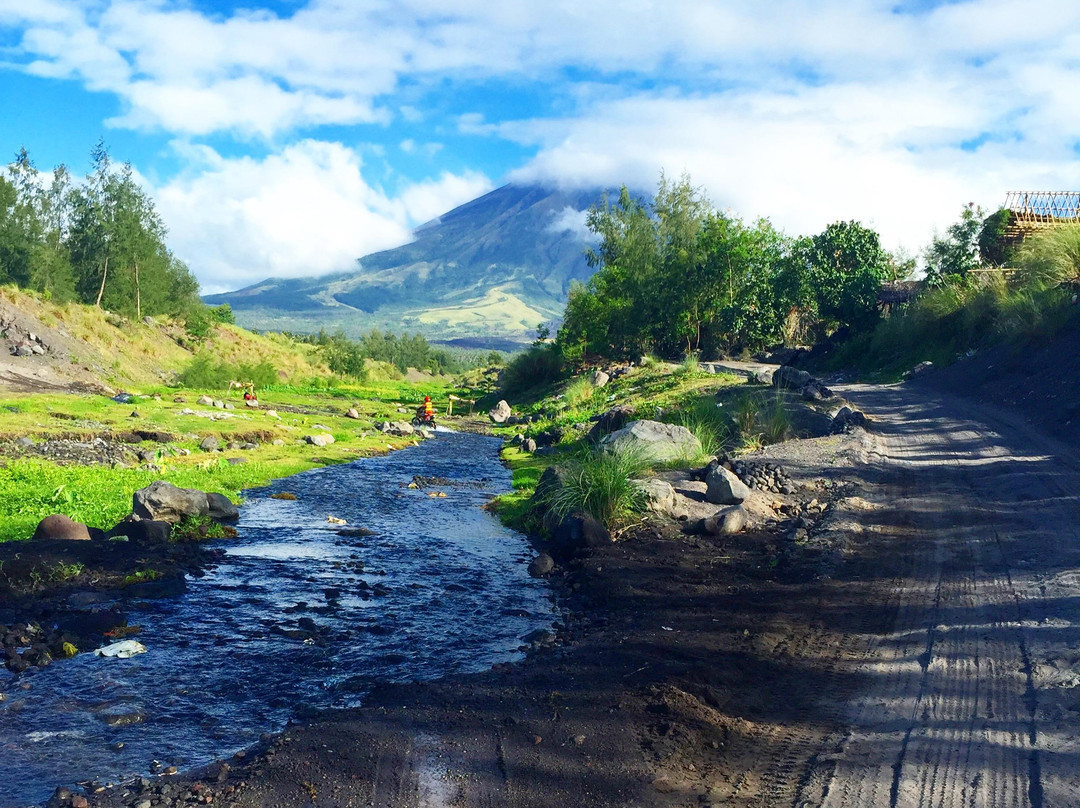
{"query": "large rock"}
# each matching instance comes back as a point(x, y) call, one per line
point(655, 441)
point(790, 377)
point(206, 401)
point(319, 440)
point(659, 495)
point(165, 502)
point(847, 419)
point(500, 412)
point(210, 444)
point(541, 565)
point(549, 484)
point(59, 526)
point(401, 428)
point(724, 487)
point(610, 421)
point(352, 413)
point(575, 532)
point(599, 378)
point(725, 522)
point(221, 507)
point(149, 531)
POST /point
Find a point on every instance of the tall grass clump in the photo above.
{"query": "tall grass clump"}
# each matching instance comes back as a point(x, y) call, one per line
point(579, 391)
point(1051, 258)
point(760, 419)
point(602, 483)
point(707, 422)
point(689, 365)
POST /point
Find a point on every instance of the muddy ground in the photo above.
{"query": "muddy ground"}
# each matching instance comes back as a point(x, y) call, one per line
point(916, 646)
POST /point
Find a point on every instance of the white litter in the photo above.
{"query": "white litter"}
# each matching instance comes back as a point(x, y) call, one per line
point(121, 650)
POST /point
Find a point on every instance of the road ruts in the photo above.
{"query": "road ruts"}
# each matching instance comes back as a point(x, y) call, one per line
point(948, 715)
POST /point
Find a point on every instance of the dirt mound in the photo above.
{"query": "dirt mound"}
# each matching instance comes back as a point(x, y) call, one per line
point(1041, 382)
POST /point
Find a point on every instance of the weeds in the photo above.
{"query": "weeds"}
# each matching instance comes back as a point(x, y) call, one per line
point(602, 483)
point(578, 392)
point(199, 528)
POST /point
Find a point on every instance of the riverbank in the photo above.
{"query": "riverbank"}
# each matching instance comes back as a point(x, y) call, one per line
point(670, 664)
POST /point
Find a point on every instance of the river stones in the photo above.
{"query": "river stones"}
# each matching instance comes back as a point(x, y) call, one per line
point(59, 526)
point(221, 507)
point(165, 502)
point(541, 565)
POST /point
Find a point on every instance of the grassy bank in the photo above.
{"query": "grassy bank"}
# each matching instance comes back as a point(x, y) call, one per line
point(32, 487)
point(723, 412)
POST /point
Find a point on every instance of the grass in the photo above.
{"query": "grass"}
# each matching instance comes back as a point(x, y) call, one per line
point(601, 482)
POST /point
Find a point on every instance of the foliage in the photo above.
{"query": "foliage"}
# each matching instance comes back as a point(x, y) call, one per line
point(100, 241)
point(957, 252)
point(994, 248)
point(197, 528)
point(675, 277)
point(540, 365)
point(223, 314)
point(1051, 257)
point(203, 373)
point(579, 391)
point(602, 482)
point(349, 357)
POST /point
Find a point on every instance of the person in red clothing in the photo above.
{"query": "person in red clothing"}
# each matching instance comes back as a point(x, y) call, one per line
point(429, 409)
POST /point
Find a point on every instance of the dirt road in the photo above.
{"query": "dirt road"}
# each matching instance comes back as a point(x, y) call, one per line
point(969, 697)
point(919, 647)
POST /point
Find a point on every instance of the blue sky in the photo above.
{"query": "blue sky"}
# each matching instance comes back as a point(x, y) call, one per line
point(288, 138)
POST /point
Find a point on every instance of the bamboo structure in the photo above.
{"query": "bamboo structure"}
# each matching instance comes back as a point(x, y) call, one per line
point(1031, 211)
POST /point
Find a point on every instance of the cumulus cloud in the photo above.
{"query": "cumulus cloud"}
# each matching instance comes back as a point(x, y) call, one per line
point(804, 110)
point(304, 211)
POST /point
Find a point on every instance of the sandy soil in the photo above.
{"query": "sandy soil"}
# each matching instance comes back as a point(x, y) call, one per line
point(916, 648)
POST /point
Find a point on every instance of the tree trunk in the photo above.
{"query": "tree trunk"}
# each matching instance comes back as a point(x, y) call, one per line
point(101, 289)
point(138, 297)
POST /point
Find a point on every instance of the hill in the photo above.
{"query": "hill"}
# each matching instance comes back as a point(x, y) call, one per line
point(72, 348)
point(492, 268)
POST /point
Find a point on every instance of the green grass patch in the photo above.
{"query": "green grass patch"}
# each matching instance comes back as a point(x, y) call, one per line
point(601, 482)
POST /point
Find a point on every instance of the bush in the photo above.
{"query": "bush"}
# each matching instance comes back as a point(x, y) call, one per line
point(602, 483)
point(579, 391)
point(223, 314)
point(540, 365)
point(1051, 258)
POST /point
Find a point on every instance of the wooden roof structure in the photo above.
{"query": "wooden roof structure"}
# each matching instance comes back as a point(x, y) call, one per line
point(1031, 211)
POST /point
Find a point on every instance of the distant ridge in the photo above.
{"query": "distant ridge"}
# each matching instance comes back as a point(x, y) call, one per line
point(483, 273)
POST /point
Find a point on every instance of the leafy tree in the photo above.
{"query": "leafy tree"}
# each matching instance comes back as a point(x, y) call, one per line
point(846, 265)
point(994, 248)
point(957, 252)
point(223, 314)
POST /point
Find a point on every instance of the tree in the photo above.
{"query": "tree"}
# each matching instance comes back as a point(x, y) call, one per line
point(846, 266)
point(994, 248)
point(957, 253)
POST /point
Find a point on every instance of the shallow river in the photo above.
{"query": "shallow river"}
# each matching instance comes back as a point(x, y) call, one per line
point(440, 587)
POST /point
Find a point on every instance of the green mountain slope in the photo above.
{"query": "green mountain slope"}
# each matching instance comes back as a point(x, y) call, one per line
point(493, 268)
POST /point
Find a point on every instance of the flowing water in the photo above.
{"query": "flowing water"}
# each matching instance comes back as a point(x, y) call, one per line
point(295, 617)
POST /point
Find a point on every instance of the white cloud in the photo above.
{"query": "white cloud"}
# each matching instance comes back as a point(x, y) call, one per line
point(573, 221)
point(305, 211)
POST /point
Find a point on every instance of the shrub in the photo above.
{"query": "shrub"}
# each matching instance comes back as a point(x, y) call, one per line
point(602, 483)
point(1051, 257)
point(539, 365)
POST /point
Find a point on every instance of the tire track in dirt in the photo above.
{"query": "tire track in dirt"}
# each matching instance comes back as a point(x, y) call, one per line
point(957, 712)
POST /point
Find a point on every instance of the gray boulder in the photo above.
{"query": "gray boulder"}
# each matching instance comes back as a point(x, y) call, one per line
point(221, 507)
point(401, 428)
point(500, 412)
point(210, 444)
point(24, 443)
point(659, 495)
point(724, 487)
point(847, 419)
point(164, 502)
point(206, 401)
point(614, 419)
point(790, 377)
point(319, 440)
point(655, 441)
point(763, 375)
point(541, 565)
point(59, 526)
point(352, 413)
point(599, 378)
point(725, 522)
point(528, 445)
